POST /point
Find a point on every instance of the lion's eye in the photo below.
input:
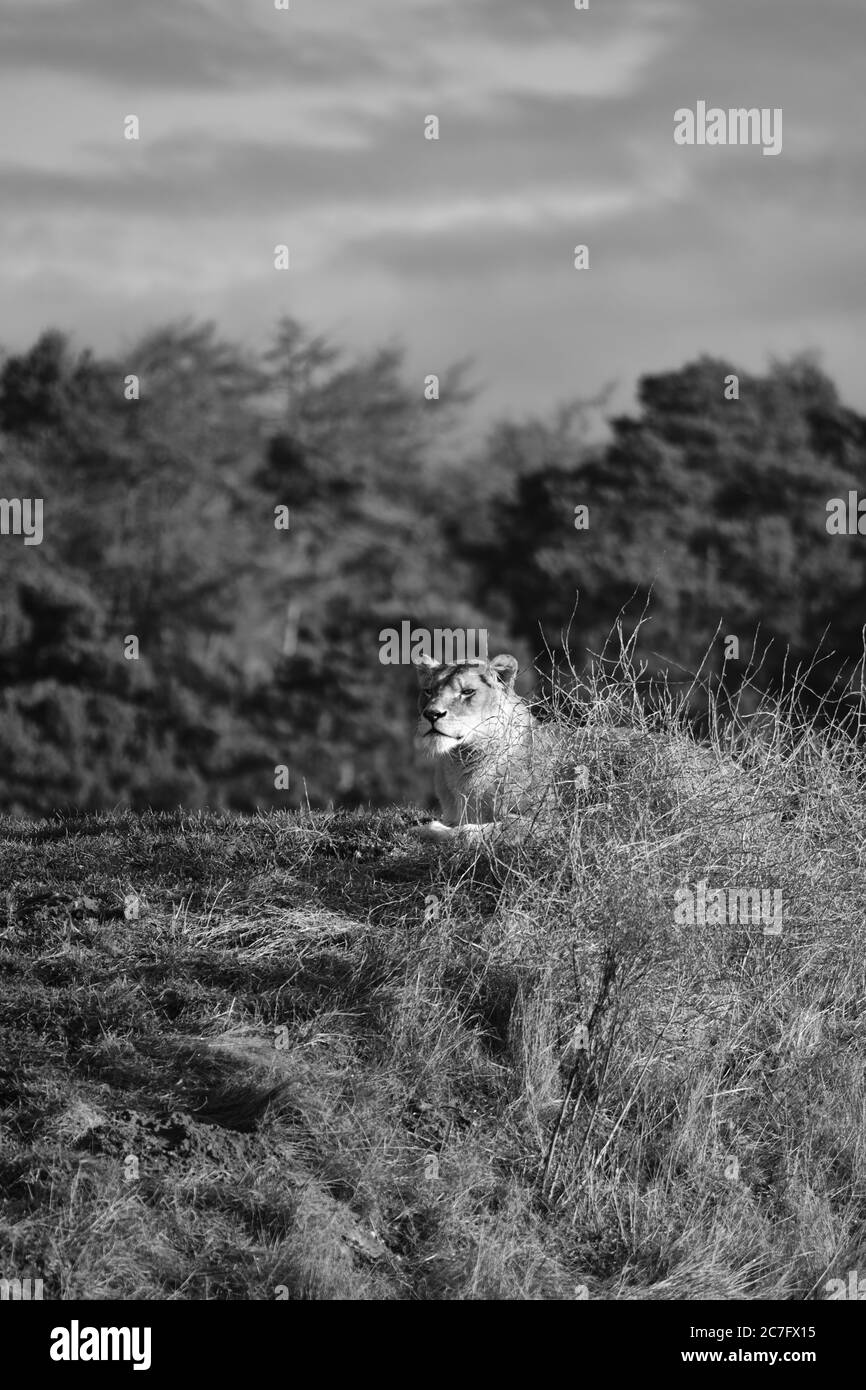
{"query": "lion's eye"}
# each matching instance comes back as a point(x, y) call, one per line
point(467, 694)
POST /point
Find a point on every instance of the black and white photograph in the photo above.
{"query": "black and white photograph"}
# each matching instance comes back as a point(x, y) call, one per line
point(432, 687)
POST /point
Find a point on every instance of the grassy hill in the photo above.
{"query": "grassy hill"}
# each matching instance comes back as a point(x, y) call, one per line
point(304, 1057)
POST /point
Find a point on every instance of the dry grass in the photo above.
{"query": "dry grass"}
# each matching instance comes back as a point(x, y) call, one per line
point(318, 1061)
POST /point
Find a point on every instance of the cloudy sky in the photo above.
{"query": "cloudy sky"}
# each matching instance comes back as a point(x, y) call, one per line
point(556, 127)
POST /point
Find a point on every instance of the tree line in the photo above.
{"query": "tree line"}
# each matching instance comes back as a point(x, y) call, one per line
point(221, 553)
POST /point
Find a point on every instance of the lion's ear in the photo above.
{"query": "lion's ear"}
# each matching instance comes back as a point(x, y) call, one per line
point(506, 668)
point(424, 664)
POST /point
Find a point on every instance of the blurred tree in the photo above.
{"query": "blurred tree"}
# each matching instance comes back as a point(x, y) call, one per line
point(140, 538)
point(716, 507)
point(258, 646)
point(357, 456)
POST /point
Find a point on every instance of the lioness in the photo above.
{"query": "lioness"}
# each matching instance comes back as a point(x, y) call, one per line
point(497, 769)
point(490, 752)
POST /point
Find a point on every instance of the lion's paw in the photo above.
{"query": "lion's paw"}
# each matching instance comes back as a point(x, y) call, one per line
point(435, 830)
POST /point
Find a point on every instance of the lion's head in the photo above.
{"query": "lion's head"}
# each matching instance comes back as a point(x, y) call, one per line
point(468, 705)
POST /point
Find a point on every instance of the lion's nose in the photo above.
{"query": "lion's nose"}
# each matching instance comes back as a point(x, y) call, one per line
point(433, 714)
